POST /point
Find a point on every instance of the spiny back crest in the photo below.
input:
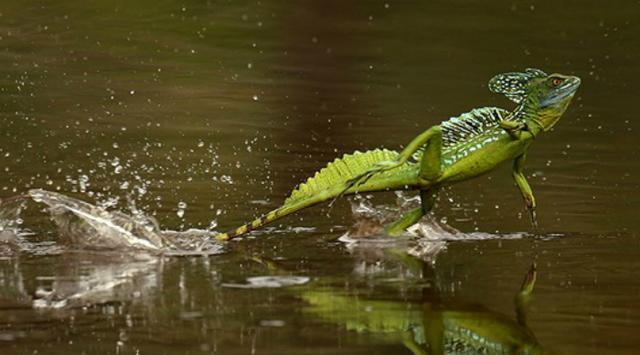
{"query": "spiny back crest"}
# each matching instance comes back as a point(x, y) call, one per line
point(470, 124)
point(514, 85)
point(340, 171)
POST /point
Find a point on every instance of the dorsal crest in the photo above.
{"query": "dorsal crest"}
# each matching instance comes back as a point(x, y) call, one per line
point(470, 124)
point(513, 85)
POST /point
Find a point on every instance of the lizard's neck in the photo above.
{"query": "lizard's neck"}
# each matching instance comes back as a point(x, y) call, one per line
point(538, 117)
point(530, 115)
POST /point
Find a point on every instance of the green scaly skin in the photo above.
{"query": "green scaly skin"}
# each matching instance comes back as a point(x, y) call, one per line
point(444, 154)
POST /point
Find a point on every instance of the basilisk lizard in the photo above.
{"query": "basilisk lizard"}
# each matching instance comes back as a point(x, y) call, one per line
point(458, 149)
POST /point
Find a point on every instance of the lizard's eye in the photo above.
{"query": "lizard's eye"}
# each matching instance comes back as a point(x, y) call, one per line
point(556, 81)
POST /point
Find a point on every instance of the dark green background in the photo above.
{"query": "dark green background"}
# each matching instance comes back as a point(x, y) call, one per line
point(226, 105)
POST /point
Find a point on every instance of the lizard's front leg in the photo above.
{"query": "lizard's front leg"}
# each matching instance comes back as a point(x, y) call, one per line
point(525, 189)
point(514, 128)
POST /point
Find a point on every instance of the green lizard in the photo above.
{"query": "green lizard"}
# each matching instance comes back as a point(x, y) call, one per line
point(458, 149)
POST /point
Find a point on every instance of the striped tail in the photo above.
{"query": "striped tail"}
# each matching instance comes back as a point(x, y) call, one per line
point(329, 183)
point(286, 209)
point(257, 223)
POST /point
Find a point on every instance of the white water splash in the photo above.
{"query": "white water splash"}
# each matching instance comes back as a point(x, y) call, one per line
point(86, 225)
point(82, 225)
point(12, 232)
point(425, 239)
point(270, 282)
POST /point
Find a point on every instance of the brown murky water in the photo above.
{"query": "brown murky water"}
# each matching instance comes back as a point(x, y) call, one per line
point(209, 112)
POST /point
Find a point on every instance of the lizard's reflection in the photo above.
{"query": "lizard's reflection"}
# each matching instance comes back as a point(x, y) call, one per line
point(427, 324)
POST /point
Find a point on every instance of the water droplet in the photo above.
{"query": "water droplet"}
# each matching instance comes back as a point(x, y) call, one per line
point(82, 182)
point(181, 207)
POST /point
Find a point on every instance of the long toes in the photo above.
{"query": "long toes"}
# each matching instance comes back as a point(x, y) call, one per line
point(349, 184)
point(361, 179)
point(366, 178)
point(355, 180)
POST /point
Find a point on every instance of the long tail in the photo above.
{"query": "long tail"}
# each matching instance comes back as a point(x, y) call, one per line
point(263, 220)
point(330, 182)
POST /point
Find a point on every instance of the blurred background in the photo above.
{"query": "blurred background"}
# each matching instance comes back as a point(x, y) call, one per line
point(204, 114)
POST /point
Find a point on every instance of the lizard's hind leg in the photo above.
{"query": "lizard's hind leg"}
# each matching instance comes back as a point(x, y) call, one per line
point(430, 170)
point(412, 217)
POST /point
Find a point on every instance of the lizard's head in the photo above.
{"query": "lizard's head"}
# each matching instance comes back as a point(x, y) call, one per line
point(544, 97)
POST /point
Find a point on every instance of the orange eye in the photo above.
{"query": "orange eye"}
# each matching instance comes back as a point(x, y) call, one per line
point(556, 82)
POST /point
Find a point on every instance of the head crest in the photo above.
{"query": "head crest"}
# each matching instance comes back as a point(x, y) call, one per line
point(513, 85)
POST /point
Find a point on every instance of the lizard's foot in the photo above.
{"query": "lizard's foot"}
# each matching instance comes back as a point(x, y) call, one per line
point(394, 230)
point(400, 226)
point(530, 204)
point(531, 207)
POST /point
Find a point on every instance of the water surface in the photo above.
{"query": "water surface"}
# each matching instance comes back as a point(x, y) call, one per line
point(205, 113)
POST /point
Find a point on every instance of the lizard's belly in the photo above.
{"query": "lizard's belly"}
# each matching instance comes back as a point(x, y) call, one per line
point(482, 160)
